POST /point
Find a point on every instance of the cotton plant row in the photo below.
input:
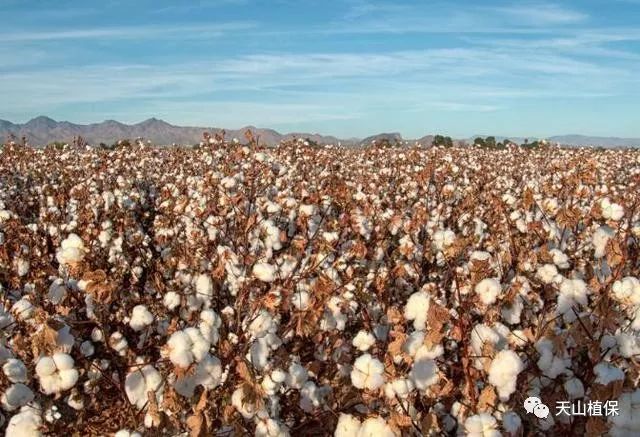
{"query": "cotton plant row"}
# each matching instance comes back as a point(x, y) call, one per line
point(236, 290)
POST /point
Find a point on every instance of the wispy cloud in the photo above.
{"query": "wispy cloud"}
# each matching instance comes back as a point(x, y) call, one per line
point(542, 14)
point(130, 32)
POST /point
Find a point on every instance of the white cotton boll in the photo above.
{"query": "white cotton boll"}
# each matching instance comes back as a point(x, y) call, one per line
point(97, 335)
point(574, 388)
point(262, 325)
point(261, 349)
point(56, 373)
point(627, 422)
point(424, 373)
point(127, 433)
point(140, 318)
point(607, 373)
point(417, 308)
point(265, 272)
point(511, 422)
point(171, 300)
point(488, 290)
point(375, 427)
point(204, 286)
point(22, 266)
point(330, 237)
point(503, 373)
point(363, 340)
point(187, 346)
point(601, 237)
point(118, 343)
point(272, 383)
point(23, 309)
point(268, 427)
point(443, 239)
point(627, 291)
point(71, 250)
point(208, 374)
point(512, 312)
point(413, 343)
point(300, 300)
point(87, 349)
point(26, 423)
point(368, 372)
point(210, 323)
point(348, 426)
point(547, 273)
point(573, 293)
point(6, 318)
point(628, 344)
point(242, 404)
point(551, 364)
point(57, 291)
point(16, 396)
point(297, 376)
point(141, 381)
point(611, 210)
point(15, 370)
point(312, 396)
point(481, 425)
point(401, 387)
point(559, 258)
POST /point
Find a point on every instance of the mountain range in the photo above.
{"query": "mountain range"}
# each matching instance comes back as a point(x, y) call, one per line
point(44, 130)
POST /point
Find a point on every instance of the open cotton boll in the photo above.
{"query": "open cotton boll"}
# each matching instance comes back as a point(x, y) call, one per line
point(15, 370)
point(401, 387)
point(573, 293)
point(16, 396)
point(547, 273)
point(488, 290)
point(118, 343)
point(71, 250)
point(140, 318)
point(424, 373)
point(127, 433)
point(272, 382)
point(481, 425)
point(56, 373)
point(551, 364)
point(503, 373)
point(6, 318)
point(243, 404)
point(363, 340)
point(208, 374)
point(261, 349)
point(627, 422)
point(627, 291)
point(601, 237)
point(607, 373)
point(611, 210)
point(574, 388)
point(297, 375)
point(171, 300)
point(265, 272)
point(26, 423)
point(443, 239)
point(187, 346)
point(23, 309)
point(482, 334)
point(559, 258)
point(375, 427)
point(57, 291)
point(268, 427)
point(209, 326)
point(141, 381)
point(204, 288)
point(628, 344)
point(300, 300)
point(312, 396)
point(417, 308)
point(367, 373)
point(511, 422)
point(347, 426)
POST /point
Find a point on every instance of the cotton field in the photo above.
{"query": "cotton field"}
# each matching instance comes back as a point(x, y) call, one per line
point(237, 290)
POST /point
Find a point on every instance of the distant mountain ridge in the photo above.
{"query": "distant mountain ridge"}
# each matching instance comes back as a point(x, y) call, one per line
point(44, 130)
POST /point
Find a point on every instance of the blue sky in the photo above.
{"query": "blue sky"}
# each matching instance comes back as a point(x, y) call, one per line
point(347, 67)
